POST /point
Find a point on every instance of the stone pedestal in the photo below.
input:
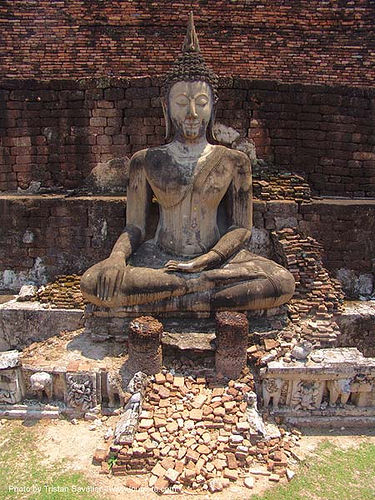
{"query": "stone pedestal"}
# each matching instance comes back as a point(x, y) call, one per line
point(145, 351)
point(232, 338)
point(336, 384)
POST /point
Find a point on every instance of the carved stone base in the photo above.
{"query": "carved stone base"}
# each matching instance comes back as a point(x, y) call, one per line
point(336, 382)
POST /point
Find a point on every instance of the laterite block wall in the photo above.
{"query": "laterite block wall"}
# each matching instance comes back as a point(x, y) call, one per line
point(54, 132)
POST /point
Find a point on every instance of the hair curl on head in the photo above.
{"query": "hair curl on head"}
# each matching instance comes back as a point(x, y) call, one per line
point(190, 67)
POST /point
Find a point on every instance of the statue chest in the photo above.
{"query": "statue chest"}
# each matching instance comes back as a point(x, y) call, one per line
point(177, 185)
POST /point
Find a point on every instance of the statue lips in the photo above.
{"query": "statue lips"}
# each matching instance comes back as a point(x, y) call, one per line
point(191, 127)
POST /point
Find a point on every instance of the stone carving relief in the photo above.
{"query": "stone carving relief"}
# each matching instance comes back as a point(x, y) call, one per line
point(11, 386)
point(307, 395)
point(127, 426)
point(81, 391)
point(115, 391)
point(361, 388)
point(138, 383)
point(340, 388)
point(335, 379)
point(10, 390)
point(272, 391)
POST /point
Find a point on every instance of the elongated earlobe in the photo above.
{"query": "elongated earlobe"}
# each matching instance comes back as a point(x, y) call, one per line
point(166, 119)
point(210, 127)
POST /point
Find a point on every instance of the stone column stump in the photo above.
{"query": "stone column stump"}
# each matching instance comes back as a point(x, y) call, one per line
point(232, 331)
point(145, 351)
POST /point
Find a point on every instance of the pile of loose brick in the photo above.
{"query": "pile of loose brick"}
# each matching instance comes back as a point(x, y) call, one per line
point(271, 184)
point(195, 434)
point(318, 297)
point(63, 293)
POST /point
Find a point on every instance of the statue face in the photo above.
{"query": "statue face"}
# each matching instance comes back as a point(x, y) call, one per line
point(190, 108)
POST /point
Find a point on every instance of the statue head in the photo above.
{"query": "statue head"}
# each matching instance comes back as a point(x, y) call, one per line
point(190, 92)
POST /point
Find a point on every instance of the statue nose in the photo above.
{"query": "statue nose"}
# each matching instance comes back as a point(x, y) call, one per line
point(192, 110)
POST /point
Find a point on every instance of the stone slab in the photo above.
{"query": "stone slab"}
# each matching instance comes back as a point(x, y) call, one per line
point(333, 361)
point(22, 412)
point(190, 341)
point(22, 323)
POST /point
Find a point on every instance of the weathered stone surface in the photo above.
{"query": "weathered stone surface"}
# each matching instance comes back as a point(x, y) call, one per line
point(249, 482)
point(356, 323)
point(190, 341)
point(109, 177)
point(26, 293)
point(9, 359)
point(192, 236)
point(26, 322)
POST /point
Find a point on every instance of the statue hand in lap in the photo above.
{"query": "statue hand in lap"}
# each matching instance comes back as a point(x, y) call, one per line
point(196, 265)
point(197, 259)
point(110, 277)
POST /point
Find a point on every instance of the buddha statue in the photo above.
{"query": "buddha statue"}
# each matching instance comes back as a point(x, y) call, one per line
point(197, 260)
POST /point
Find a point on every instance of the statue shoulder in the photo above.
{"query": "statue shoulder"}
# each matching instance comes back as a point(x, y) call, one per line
point(138, 159)
point(239, 159)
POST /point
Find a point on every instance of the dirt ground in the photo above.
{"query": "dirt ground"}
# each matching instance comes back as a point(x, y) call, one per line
point(76, 444)
point(6, 298)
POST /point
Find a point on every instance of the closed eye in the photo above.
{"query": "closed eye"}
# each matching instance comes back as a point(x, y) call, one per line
point(182, 102)
point(202, 101)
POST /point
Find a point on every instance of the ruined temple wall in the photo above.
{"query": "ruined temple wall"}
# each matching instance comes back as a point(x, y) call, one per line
point(43, 236)
point(54, 132)
point(309, 41)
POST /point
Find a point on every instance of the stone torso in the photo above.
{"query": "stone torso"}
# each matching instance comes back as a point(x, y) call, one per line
point(188, 194)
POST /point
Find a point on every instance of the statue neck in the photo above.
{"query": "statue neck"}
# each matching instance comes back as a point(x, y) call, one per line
point(189, 151)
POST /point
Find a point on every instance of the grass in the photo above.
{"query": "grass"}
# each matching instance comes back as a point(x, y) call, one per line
point(333, 475)
point(24, 474)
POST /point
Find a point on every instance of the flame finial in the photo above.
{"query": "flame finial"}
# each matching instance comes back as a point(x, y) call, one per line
point(191, 42)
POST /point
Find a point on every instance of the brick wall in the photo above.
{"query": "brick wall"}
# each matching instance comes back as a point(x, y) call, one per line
point(327, 133)
point(43, 236)
point(310, 41)
point(54, 132)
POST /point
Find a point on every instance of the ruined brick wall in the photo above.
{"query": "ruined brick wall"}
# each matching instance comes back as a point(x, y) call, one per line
point(310, 41)
point(346, 230)
point(327, 133)
point(43, 236)
point(54, 132)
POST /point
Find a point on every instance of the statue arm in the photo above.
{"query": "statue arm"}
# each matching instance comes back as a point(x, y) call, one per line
point(239, 209)
point(110, 273)
point(138, 202)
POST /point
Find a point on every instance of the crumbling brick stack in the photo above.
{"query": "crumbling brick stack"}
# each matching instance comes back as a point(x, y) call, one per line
point(145, 352)
point(318, 297)
point(232, 330)
point(270, 183)
point(63, 293)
